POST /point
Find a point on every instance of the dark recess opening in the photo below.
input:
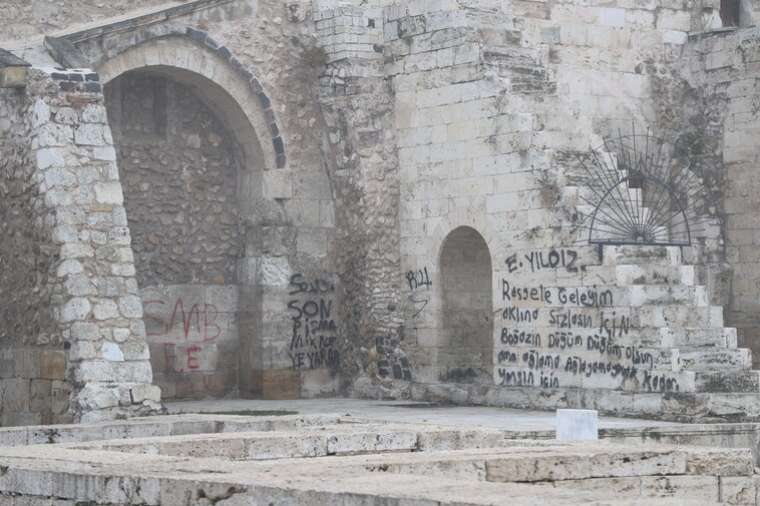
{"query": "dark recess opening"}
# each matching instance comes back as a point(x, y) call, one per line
point(729, 12)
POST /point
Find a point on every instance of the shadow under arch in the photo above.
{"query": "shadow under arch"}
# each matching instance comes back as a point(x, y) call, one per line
point(466, 345)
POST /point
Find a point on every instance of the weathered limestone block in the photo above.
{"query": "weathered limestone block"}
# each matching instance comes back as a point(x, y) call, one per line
point(346, 444)
point(720, 462)
point(738, 490)
point(586, 465)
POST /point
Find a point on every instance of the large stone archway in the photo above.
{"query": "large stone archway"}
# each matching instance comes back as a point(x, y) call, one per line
point(236, 95)
point(197, 181)
point(180, 169)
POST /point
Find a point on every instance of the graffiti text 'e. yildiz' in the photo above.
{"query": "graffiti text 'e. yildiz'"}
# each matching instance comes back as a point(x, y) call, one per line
point(542, 260)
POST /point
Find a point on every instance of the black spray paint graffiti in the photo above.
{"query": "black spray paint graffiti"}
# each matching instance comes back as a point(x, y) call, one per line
point(314, 339)
point(392, 361)
point(419, 280)
point(299, 284)
point(589, 296)
point(556, 336)
point(649, 382)
point(543, 260)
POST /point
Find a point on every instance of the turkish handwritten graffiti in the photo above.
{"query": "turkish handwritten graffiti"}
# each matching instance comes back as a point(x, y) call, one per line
point(569, 336)
point(313, 343)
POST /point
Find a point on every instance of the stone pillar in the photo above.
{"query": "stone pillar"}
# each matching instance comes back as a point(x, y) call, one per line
point(357, 101)
point(95, 303)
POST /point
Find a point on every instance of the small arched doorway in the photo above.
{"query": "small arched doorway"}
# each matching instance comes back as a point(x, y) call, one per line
point(466, 353)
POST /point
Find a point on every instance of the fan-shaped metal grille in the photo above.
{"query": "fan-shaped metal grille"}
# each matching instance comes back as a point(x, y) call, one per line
point(638, 193)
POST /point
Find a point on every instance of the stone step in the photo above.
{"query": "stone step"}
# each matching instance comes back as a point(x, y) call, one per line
point(682, 338)
point(641, 381)
point(681, 316)
point(744, 381)
point(698, 407)
point(552, 472)
point(724, 337)
point(271, 445)
point(593, 192)
point(643, 295)
point(642, 255)
point(712, 360)
point(536, 466)
point(632, 274)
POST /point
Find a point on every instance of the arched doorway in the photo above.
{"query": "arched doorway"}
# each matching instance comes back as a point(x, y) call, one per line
point(466, 353)
point(180, 167)
point(190, 358)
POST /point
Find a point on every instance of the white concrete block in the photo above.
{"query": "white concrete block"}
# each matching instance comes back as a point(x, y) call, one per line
point(612, 17)
point(577, 425)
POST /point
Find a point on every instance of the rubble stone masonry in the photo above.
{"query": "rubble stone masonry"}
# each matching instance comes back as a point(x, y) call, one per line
point(74, 335)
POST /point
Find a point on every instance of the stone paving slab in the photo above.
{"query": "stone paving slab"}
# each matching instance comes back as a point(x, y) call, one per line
point(408, 411)
point(170, 425)
point(329, 459)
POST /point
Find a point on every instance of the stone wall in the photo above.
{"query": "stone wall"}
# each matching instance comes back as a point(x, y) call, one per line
point(33, 359)
point(723, 67)
point(259, 79)
point(490, 122)
point(358, 106)
point(488, 119)
point(180, 168)
point(30, 18)
point(362, 136)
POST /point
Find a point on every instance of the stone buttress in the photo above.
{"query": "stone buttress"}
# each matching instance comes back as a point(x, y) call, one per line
point(88, 359)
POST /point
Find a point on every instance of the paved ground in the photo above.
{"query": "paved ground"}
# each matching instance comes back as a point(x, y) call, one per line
point(406, 411)
point(316, 460)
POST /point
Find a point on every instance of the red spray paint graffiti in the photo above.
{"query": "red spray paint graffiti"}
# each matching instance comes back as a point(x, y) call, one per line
point(205, 320)
point(196, 323)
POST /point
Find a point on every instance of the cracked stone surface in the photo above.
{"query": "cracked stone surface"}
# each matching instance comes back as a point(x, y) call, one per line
point(329, 459)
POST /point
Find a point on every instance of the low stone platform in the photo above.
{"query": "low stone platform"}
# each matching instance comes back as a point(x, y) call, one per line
point(517, 423)
point(332, 459)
